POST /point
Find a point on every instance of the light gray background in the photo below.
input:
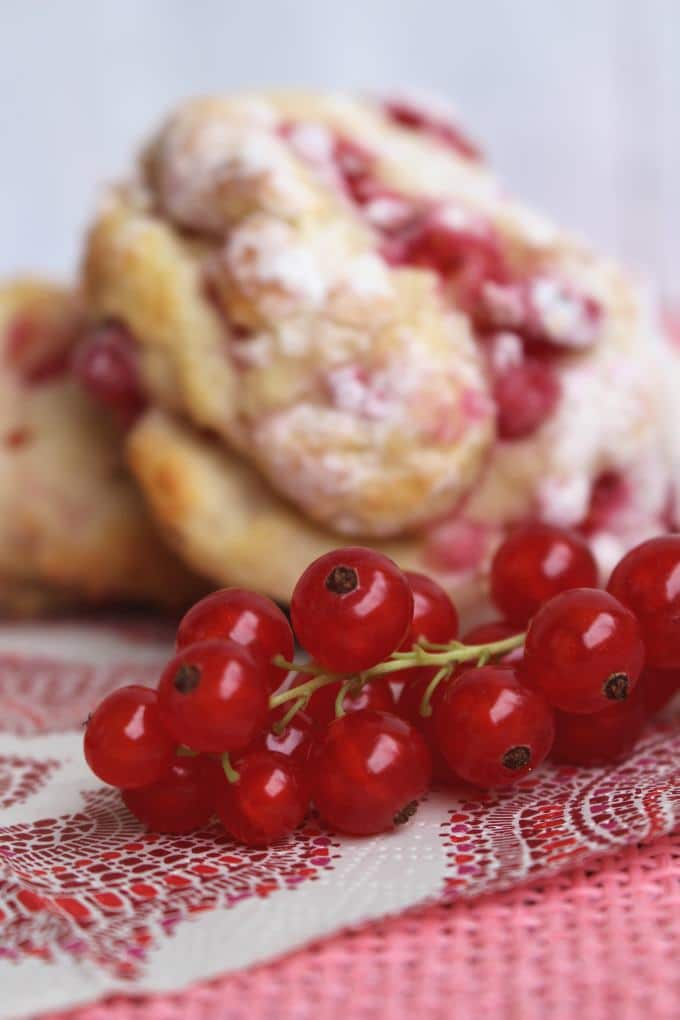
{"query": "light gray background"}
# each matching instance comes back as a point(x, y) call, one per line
point(577, 101)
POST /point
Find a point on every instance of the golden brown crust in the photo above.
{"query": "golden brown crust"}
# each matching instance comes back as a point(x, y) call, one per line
point(73, 529)
point(225, 521)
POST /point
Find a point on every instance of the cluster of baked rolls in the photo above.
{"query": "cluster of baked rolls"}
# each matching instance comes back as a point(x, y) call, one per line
point(307, 321)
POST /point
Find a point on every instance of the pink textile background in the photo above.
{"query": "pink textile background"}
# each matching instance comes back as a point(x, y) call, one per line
point(597, 943)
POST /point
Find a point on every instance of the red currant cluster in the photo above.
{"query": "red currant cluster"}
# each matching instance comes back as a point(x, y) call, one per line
point(390, 696)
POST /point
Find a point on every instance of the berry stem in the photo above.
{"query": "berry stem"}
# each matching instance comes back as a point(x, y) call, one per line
point(342, 693)
point(443, 674)
point(229, 771)
point(446, 657)
point(185, 752)
point(296, 707)
point(304, 691)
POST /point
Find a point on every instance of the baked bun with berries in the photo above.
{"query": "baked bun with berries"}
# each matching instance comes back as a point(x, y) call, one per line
point(336, 299)
point(73, 528)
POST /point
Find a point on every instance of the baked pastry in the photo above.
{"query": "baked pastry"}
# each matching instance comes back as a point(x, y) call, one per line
point(333, 307)
point(73, 529)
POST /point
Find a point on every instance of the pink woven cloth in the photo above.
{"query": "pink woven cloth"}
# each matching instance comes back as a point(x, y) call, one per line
point(598, 943)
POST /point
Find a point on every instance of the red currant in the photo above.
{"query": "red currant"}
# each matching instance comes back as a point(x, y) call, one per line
point(658, 687)
point(647, 580)
point(351, 609)
point(434, 614)
point(183, 800)
point(599, 737)
point(267, 802)
point(408, 707)
point(535, 562)
point(525, 395)
point(376, 694)
point(294, 742)
point(249, 619)
point(491, 729)
point(410, 114)
point(367, 771)
point(106, 366)
point(583, 650)
point(126, 744)
point(487, 633)
point(213, 696)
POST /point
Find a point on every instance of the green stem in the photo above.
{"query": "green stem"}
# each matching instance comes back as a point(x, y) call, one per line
point(229, 771)
point(342, 694)
point(423, 654)
point(442, 674)
point(296, 707)
point(303, 691)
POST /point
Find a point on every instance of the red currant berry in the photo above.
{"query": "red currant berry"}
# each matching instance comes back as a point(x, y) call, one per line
point(367, 771)
point(126, 744)
point(294, 742)
point(376, 694)
point(583, 650)
point(491, 729)
point(242, 616)
point(525, 395)
point(106, 366)
point(434, 614)
point(647, 580)
point(600, 737)
point(488, 633)
point(267, 802)
point(408, 707)
point(658, 687)
point(183, 800)
point(351, 609)
point(535, 562)
point(213, 697)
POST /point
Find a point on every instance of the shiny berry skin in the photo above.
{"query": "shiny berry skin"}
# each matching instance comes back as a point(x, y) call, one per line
point(245, 617)
point(351, 609)
point(183, 800)
point(408, 707)
point(213, 696)
point(434, 614)
point(126, 743)
point(647, 580)
point(492, 729)
point(600, 737)
point(105, 365)
point(367, 770)
point(376, 694)
point(525, 395)
point(583, 651)
point(658, 688)
point(294, 742)
point(486, 633)
point(535, 562)
point(267, 802)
